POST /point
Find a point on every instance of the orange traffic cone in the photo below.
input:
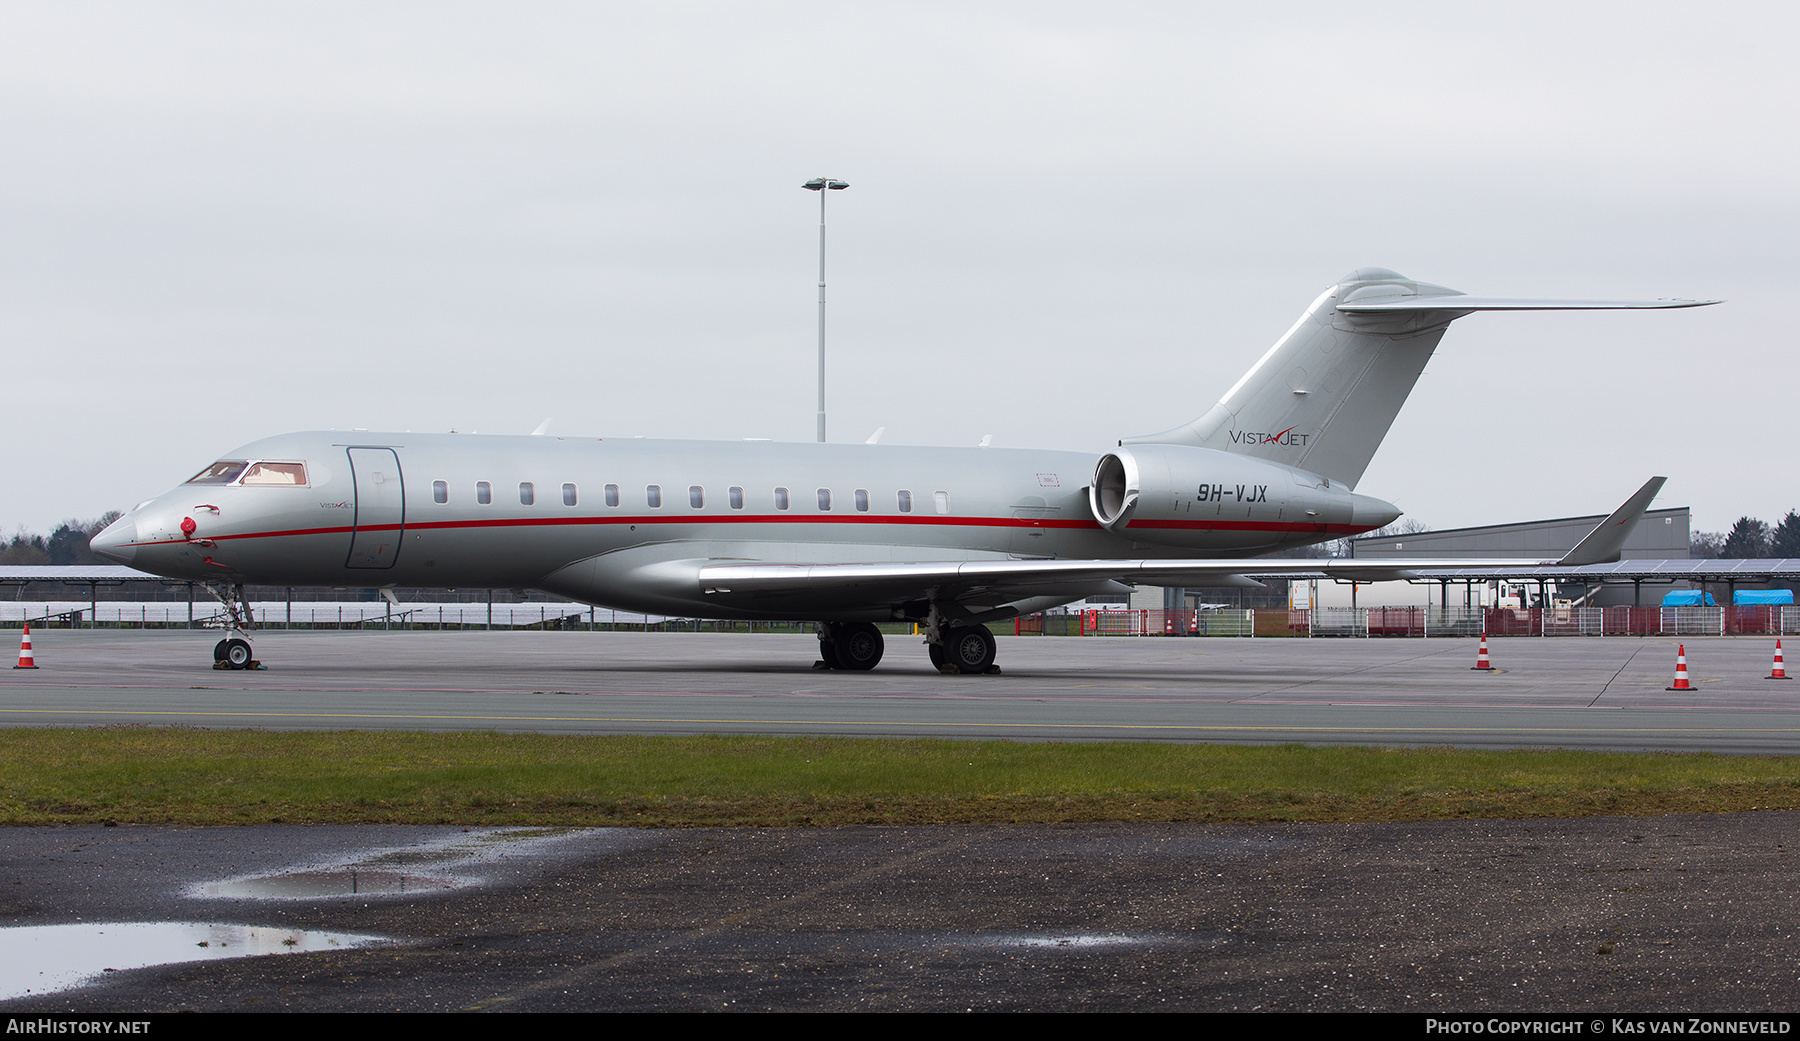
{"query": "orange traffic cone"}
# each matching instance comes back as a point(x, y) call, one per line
point(25, 659)
point(1779, 672)
point(1681, 676)
point(1481, 658)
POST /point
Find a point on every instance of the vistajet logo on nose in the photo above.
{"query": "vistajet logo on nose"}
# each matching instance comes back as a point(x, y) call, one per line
point(1256, 437)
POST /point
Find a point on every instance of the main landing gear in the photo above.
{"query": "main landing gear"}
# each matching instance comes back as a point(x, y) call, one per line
point(966, 650)
point(233, 652)
point(852, 646)
point(959, 649)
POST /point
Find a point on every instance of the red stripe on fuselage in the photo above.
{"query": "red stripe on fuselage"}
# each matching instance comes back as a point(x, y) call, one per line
point(978, 522)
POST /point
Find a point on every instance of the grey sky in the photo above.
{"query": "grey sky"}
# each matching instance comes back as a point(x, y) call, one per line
point(1067, 223)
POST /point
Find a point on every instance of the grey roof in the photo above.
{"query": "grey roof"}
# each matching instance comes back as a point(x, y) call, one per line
point(1588, 520)
point(1691, 570)
point(19, 573)
point(1758, 569)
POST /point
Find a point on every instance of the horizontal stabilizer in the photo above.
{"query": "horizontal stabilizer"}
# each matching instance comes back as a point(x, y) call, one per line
point(1606, 542)
point(1334, 382)
point(1465, 304)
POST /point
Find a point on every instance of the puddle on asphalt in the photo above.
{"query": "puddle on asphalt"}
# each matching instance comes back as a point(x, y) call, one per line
point(43, 959)
point(348, 881)
point(1047, 943)
point(1068, 941)
point(455, 862)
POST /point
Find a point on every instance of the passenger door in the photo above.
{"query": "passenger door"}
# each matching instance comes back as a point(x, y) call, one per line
point(380, 508)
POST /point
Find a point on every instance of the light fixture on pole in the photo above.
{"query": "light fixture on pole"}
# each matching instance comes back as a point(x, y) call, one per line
point(820, 185)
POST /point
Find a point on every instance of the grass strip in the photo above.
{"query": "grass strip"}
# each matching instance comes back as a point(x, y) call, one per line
point(165, 775)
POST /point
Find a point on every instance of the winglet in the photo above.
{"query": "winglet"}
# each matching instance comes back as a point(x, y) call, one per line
point(1604, 544)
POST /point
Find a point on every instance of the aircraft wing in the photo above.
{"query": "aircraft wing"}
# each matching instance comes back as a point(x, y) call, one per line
point(989, 585)
point(1030, 577)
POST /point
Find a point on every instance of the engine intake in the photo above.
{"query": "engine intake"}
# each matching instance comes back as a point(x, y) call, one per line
point(1204, 499)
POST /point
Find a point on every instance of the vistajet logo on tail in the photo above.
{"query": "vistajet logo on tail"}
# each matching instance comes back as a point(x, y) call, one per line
point(1285, 438)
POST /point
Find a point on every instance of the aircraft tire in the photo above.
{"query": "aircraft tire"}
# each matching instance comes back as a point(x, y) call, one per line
point(828, 652)
point(858, 646)
point(936, 652)
point(970, 648)
point(237, 654)
point(219, 650)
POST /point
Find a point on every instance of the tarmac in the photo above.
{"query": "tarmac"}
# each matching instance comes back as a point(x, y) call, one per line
point(1602, 693)
point(1674, 913)
point(1683, 914)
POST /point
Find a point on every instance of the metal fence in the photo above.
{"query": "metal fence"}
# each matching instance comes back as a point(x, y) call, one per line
point(1426, 622)
point(1360, 622)
point(363, 614)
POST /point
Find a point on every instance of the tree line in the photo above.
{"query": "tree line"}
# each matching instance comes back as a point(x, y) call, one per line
point(1748, 539)
point(66, 546)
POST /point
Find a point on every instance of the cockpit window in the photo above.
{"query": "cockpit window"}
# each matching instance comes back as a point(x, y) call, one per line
point(265, 472)
point(221, 472)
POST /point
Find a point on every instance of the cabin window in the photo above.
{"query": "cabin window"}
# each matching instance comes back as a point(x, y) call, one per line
point(612, 495)
point(862, 500)
point(568, 495)
point(781, 498)
point(941, 500)
point(736, 495)
point(696, 496)
point(484, 492)
point(824, 498)
point(653, 496)
point(219, 473)
point(440, 491)
point(276, 473)
point(527, 493)
point(904, 499)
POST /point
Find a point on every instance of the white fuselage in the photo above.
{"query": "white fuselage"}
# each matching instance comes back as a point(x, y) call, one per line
point(590, 518)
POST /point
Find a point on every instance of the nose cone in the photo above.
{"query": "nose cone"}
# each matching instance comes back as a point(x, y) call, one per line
point(115, 542)
point(1368, 513)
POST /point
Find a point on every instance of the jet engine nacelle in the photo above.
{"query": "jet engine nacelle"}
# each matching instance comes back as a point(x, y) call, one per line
point(1201, 498)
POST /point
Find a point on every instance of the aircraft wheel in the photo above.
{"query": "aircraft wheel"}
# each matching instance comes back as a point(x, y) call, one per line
point(970, 648)
point(936, 651)
point(219, 650)
point(237, 654)
point(858, 645)
point(828, 656)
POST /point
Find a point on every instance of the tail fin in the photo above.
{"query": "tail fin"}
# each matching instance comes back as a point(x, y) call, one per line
point(1606, 543)
point(1325, 395)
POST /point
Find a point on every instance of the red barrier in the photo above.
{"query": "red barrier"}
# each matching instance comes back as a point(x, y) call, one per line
point(1752, 619)
point(1508, 621)
point(1396, 621)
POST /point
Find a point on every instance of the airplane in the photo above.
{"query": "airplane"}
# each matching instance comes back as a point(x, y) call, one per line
point(844, 535)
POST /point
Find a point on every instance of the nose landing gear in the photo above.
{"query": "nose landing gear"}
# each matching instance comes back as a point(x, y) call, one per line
point(233, 652)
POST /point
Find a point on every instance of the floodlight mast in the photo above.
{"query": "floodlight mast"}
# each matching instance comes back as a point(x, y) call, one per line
point(820, 185)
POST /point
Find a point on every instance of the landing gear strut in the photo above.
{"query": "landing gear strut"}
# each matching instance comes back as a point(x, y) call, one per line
point(852, 646)
point(968, 649)
point(233, 652)
point(959, 648)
